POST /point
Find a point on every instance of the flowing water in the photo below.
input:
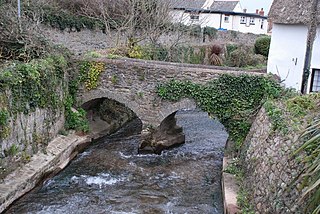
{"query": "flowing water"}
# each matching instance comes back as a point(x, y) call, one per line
point(110, 177)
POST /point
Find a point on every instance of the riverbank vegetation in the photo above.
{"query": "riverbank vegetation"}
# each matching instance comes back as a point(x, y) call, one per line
point(300, 113)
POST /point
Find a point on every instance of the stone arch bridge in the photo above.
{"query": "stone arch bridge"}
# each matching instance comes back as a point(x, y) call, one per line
point(133, 83)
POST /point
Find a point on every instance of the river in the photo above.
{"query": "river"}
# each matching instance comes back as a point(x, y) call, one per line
point(110, 177)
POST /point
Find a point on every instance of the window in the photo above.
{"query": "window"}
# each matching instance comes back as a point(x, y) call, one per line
point(226, 18)
point(252, 21)
point(262, 22)
point(315, 80)
point(243, 20)
point(194, 17)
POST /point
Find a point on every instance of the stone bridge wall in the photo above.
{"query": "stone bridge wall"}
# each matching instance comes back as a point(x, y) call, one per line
point(133, 83)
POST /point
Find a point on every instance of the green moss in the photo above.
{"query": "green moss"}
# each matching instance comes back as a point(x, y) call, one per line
point(114, 79)
point(12, 151)
point(243, 201)
point(4, 116)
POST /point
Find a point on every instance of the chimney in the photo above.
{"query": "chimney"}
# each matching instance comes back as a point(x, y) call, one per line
point(245, 10)
point(257, 11)
point(261, 13)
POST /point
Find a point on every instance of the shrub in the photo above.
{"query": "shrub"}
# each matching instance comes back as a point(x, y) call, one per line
point(262, 45)
point(256, 59)
point(230, 48)
point(75, 119)
point(239, 57)
point(214, 58)
point(243, 57)
point(195, 30)
point(210, 31)
point(216, 49)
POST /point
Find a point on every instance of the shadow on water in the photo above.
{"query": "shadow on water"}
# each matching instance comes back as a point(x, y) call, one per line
point(110, 177)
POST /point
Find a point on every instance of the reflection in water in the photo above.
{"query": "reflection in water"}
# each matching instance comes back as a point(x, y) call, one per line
point(110, 177)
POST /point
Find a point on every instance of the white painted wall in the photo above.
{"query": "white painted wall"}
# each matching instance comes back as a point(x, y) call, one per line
point(315, 59)
point(213, 20)
point(179, 16)
point(210, 20)
point(287, 53)
point(256, 28)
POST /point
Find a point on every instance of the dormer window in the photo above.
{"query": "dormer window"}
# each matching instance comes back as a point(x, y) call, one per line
point(252, 21)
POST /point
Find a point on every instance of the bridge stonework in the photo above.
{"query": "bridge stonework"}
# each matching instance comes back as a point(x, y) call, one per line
point(133, 83)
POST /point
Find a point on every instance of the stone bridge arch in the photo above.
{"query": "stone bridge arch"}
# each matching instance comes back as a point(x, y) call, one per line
point(134, 82)
point(150, 116)
point(159, 128)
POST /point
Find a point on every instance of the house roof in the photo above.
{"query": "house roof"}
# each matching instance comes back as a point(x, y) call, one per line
point(184, 4)
point(292, 11)
point(254, 15)
point(224, 5)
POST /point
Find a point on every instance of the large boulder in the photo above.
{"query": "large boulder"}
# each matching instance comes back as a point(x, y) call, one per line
point(167, 135)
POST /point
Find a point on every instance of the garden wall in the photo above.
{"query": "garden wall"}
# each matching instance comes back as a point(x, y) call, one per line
point(80, 42)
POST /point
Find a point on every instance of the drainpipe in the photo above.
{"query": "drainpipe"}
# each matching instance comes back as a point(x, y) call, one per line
point(312, 31)
point(220, 20)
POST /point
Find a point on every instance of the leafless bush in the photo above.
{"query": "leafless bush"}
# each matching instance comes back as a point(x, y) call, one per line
point(137, 20)
point(20, 38)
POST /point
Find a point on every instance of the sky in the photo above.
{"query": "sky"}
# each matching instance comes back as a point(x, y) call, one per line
point(252, 5)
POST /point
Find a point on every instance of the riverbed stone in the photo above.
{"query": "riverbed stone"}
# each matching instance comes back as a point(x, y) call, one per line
point(166, 136)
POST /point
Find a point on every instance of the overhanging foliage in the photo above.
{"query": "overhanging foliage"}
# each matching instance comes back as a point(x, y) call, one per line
point(234, 100)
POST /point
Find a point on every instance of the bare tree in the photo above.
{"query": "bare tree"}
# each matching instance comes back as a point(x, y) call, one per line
point(20, 38)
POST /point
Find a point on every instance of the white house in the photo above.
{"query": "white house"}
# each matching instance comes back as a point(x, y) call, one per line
point(220, 14)
point(290, 55)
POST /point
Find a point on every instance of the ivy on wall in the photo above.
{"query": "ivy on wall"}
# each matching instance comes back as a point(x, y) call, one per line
point(290, 110)
point(90, 72)
point(88, 75)
point(234, 100)
point(27, 86)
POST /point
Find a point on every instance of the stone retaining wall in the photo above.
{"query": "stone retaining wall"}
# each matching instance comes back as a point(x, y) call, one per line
point(88, 40)
point(270, 168)
point(29, 134)
point(59, 152)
